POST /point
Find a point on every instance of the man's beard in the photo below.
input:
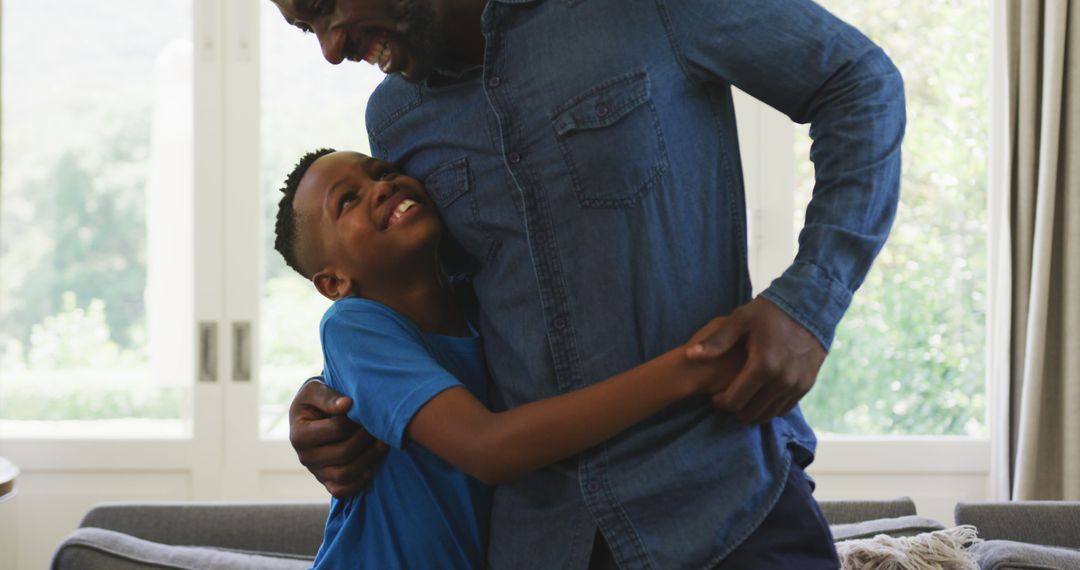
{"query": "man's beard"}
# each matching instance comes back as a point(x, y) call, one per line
point(416, 25)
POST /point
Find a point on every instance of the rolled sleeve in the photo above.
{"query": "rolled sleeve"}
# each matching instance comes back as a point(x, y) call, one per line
point(812, 298)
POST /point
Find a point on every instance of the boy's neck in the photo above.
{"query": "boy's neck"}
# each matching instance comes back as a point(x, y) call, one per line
point(430, 304)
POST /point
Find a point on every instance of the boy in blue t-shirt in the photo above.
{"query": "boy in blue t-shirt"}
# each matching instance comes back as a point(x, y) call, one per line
point(396, 342)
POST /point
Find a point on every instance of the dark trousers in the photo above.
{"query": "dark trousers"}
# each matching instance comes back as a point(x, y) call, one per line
point(794, 535)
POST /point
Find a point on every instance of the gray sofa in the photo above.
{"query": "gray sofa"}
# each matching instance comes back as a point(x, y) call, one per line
point(285, 536)
point(1025, 534)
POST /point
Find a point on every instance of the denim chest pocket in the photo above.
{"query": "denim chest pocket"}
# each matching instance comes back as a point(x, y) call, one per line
point(448, 182)
point(450, 187)
point(611, 140)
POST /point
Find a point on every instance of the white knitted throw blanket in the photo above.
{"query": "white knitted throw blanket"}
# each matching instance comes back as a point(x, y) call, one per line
point(938, 550)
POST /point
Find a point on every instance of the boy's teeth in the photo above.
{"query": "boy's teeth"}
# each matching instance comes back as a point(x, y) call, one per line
point(400, 211)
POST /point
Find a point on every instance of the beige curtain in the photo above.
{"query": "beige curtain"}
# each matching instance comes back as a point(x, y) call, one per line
point(1043, 201)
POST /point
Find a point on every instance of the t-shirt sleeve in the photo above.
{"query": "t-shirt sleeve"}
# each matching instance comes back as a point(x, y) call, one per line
point(383, 365)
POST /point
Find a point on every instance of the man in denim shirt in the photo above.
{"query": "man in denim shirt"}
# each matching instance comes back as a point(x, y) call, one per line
point(584, 157)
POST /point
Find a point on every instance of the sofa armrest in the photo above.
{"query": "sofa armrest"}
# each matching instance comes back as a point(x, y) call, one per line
point(848, 512)
point(1049, 523)
point(278, 527)
point(99, 549)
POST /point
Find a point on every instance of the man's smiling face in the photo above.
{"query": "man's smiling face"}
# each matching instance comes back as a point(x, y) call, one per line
point(400, 36)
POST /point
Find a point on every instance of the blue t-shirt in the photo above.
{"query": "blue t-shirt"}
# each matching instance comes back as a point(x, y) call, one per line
point(419, 512)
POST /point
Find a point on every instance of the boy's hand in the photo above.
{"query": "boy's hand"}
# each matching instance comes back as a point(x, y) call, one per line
point(782, 360)
point(722, 369)
point(340, 453)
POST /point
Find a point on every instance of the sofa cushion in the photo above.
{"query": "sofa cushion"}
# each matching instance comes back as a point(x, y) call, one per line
point(1009, 555)
point(895, 527)
point(91, 548)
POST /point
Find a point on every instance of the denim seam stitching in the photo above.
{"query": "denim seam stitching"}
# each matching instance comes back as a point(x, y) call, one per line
point(733, 544)
point(458, 167)
point(834, 281)
point(799, 315)
point(725, 169)
point(639, 547)
point(669, 30)
point(629, 77)
point(556, 286)
point(399, 112)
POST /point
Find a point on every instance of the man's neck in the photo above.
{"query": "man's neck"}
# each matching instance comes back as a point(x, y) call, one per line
point(464, 38)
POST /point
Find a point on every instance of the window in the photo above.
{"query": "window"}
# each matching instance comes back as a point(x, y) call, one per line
point(909, 355)
point(96, 180)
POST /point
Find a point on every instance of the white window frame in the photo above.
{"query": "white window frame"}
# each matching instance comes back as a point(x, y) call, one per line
point(947, 468)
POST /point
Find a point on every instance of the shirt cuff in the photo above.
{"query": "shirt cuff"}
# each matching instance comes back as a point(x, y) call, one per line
point(812, 298)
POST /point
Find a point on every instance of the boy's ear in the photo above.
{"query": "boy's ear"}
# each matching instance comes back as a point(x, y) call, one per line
point(332, 284)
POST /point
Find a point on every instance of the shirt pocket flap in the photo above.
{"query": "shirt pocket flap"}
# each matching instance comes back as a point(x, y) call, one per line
point(603, 104)
point(448, 182)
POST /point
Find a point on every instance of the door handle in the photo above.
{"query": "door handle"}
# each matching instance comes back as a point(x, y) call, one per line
point(208, 351)
point(241, 336)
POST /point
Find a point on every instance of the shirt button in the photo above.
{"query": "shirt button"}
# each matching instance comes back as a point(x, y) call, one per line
point(592, 487)
point(494, 82)
point(560, 324)
point(514, 158)
point(541, 237)
point(602, 110)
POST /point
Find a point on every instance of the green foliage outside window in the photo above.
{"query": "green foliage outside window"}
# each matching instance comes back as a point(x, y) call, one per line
point(909, 355)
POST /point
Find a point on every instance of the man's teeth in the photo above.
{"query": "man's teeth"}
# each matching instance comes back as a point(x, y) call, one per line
point(379, 54)
point(400, 211)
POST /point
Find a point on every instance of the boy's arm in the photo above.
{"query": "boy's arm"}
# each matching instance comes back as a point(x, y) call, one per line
point(498, 447)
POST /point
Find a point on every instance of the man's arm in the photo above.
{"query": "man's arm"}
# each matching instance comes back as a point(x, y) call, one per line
point(803, 61)
point(340, 453)
point(498, 447)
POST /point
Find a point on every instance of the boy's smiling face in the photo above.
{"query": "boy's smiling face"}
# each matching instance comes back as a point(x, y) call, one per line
point(363, 224)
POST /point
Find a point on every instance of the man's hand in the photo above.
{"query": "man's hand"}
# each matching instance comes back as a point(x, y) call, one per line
point(782, 362)
point(340, 453)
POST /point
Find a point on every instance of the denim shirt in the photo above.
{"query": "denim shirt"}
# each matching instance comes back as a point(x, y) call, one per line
point(588, 174)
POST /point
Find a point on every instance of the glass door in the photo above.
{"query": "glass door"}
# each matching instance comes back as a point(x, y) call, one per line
point(95, 290)
point(110, 263)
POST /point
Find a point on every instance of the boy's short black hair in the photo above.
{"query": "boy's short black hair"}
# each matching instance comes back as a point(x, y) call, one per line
point(286, 229)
